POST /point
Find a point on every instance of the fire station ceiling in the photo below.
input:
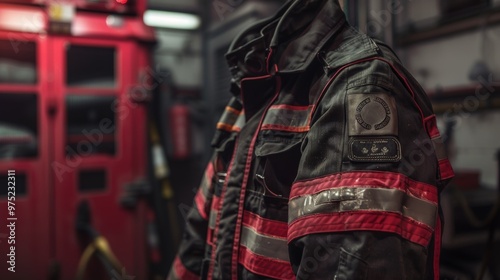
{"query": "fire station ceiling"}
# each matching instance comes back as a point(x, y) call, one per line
point(175, 5)
point(176, 41)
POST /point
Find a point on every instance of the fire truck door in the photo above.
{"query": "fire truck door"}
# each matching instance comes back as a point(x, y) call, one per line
point(94, 146)
point(25, 246)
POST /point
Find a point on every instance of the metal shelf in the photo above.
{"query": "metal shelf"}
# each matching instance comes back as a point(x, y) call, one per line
point(452, 24)
point(475, 97)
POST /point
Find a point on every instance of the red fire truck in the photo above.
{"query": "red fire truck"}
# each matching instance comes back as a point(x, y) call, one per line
point(73, 75)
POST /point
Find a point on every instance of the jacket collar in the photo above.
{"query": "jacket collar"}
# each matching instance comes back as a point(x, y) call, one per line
point(290, 40)
point(303, 31)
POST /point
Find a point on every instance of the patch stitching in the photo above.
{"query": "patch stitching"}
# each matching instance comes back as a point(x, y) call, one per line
point(383, 121)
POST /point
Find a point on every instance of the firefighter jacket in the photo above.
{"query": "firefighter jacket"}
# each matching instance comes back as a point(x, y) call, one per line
point(328, 163)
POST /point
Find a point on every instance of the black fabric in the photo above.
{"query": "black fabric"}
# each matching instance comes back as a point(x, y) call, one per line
point(308, 58)
point(358, 256)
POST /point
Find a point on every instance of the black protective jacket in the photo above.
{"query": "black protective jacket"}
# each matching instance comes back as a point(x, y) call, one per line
point(328, 162)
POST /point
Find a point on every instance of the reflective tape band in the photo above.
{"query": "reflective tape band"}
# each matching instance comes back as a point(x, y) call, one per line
point(200, 202)
point(231, 120)
point(204, 193)
point(367, 199)
point(431, 126)
point(206, 182)
point(361, 220)
point(260, 265)
point(287, 118)
point(366, 179)
point(179, 271)
point(268, 227)
point(270, 247)
point(445, 169)
point(172, 275)
point(212, 220)
point(240, 122)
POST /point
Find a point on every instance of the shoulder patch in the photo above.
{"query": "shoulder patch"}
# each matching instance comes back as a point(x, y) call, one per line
point(372, 114)
point(376, 149)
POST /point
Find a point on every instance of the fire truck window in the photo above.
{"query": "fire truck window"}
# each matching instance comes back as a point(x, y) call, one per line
point(92, 67)
point(18, 126)
point(17, 62)
point(92, 180)
point(21, 185)
point(90, 123)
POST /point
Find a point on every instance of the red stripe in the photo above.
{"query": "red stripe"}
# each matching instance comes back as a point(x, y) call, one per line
point(264, 266)
point(437, 247)
point(361, 220)
point(225, 127)
point(232, 110)
point(268, 59)
point(210, 236)
point(407, 84)
point(182, 272)
point(248, 165)
point(265, 226)
point(215, 203)
point(329, 82)
point(290, 107)
point(375, 179)
point(431, 126)
point(209, 171)
point(206, 183)
point(445, 169)
point(285, 128)
point(398, 73)
point(200, 202)
point(216, 206)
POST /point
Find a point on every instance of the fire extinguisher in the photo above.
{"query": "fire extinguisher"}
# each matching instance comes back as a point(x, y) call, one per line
point(180, 131)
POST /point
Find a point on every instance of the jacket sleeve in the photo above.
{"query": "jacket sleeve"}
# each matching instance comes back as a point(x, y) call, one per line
point(365, 201)
point(188, 262)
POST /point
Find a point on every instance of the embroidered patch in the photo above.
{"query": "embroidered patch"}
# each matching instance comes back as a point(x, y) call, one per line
point(377, 149)
point(372, 114)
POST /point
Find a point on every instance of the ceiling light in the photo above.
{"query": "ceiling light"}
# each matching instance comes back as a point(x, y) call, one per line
point(172, 20)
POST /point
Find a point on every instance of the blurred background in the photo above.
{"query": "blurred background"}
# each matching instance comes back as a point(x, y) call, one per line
point(107, 109)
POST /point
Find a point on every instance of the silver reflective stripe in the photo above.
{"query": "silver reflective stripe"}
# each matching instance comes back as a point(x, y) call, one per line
point(263, 245)
point(230, 116)
point(205, 185)
point(231, 120)
point(240, 122)
point(373, 199)
point(212, 219)
point(287, 117)
point(172, 275)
